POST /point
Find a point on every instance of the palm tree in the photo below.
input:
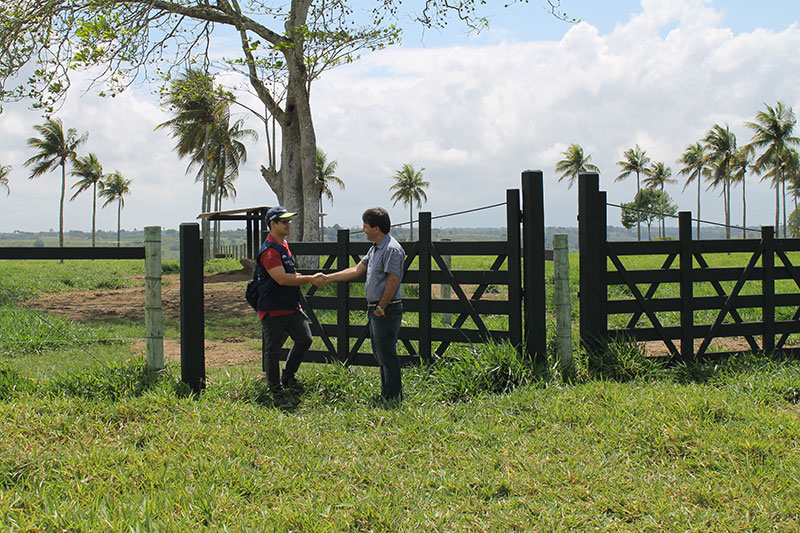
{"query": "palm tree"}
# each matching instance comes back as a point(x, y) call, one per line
point(791, 172)
point(54, 149)
point(694, 159)
point(772, 130)
point(740, 163)
point(326, 174)
point(90, 172)
point(573, 164)
point(115, 187)
point(5, 170)
point(659, 175)
point(635, 161)
point(226, 153)
point(721, 145)
point(197, 106)
point(408, 188)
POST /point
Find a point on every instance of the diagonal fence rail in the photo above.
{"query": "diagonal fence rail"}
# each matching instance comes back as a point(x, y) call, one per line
point(340, 320)
point(686, 304)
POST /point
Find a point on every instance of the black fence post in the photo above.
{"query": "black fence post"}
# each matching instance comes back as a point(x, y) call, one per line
point(342, 295)
point(687, 285)
point(768, 288)
point(193, 359)
point(425, 286)
point(513, 220)
point(251, 253)
point(593, 290)
point(533, 264)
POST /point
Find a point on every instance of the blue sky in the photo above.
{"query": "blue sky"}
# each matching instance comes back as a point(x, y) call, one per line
point(474, 111)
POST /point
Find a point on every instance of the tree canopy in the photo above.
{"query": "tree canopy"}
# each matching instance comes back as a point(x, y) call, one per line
point(283, 47)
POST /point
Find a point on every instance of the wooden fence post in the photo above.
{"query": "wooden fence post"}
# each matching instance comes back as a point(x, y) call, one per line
point(686, 262)
point(768, 288)
point(425, 286)
point(153, 313)
point(193, 358)
point(593, 264)
point(447, 318)
point(342, 295)
point(514, 253)
point(533, 265)
point(563, 305)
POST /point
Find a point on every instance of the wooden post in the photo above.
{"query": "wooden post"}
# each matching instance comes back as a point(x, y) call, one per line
point(514, 255)
point(687, 285)
point(768, 288)
point(593, 291)
point(447, 318)
point(342, 296)
point(425, 286)
point(533, 265)
point(153, 313)
point(563, 305)
point(193, 357)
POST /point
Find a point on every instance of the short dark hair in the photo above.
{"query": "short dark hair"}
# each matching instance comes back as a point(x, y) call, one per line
point(377, 216)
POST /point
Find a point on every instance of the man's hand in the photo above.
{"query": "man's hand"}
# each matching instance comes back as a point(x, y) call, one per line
point(319, 279)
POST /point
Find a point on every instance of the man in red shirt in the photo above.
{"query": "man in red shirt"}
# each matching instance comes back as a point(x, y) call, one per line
point(279, 302)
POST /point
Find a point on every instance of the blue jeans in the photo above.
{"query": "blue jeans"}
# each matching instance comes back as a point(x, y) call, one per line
point(383, 331)
point(274, 331)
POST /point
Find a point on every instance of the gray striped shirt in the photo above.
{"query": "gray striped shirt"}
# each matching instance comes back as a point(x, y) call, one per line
point(383, 258)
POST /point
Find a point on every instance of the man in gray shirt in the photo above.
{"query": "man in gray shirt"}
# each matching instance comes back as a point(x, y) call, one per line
point(383, 266)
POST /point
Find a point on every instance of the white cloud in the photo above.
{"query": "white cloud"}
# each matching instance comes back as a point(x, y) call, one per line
point(474, 116)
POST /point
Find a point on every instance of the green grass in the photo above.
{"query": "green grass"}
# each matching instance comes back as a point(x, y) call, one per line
point(110, 449)
point(483, 441)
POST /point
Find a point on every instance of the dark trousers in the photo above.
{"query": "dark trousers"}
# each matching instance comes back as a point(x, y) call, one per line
point(383, 331)
point(274, 331)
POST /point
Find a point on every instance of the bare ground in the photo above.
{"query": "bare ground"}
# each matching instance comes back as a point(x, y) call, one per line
point(224, 296)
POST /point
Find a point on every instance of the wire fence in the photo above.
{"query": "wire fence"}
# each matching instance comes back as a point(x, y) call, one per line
point(467, 211)
point(670, 215)
point(31, 326)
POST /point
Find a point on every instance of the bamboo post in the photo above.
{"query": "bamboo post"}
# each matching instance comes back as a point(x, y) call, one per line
point(563, 306)
point(153, 313)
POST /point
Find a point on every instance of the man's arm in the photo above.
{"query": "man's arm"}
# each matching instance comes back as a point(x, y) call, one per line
point(392, 283)
point(282, 277)
point(348, 274)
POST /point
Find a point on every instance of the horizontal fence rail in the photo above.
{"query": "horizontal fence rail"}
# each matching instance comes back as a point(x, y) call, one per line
point(741, 300)
point(73, 252)
point(344, 339)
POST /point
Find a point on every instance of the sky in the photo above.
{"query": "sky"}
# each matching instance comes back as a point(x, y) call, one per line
point(473, 111)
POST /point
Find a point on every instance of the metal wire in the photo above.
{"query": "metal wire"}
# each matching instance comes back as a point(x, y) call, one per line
point(709, 222)
point(443, 216)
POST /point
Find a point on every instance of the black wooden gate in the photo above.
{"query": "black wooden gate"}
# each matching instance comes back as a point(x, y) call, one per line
point(340, 321)
point(685, 264)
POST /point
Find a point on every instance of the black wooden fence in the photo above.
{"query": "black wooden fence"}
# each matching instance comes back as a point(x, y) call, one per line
point(343, 337)
point(685, 265)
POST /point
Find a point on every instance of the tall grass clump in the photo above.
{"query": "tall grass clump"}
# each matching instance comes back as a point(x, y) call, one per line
point(625, 360)
point(484, 368)
point(108, 382)
point(12, 383)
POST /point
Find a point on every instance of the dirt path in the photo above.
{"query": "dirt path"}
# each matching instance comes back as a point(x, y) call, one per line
point(224, 296)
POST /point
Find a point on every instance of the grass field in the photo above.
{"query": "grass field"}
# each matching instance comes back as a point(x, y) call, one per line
point(483, 442)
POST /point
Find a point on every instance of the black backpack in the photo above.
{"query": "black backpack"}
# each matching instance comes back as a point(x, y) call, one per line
point(254, 286)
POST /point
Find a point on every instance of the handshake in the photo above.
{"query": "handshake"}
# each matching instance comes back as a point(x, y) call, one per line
point(319, 279)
